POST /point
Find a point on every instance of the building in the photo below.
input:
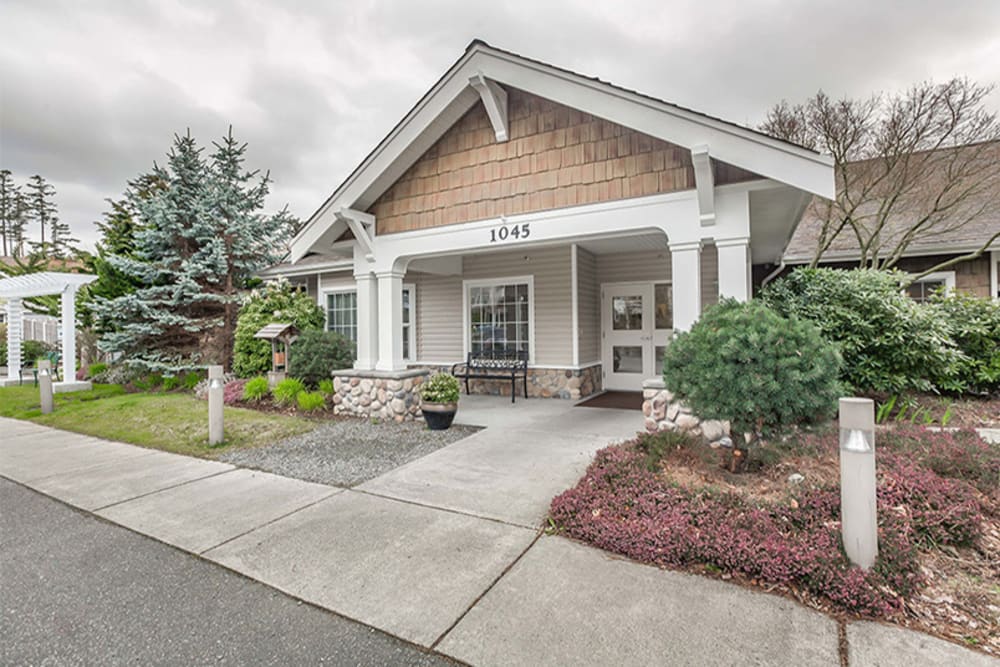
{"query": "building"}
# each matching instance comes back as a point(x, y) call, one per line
point(521, 206)
point(965, 229)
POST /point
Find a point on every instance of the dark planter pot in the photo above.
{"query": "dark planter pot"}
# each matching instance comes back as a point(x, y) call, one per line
point(439, 416)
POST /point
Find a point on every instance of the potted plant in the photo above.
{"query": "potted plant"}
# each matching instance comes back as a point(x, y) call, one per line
point(439, 401)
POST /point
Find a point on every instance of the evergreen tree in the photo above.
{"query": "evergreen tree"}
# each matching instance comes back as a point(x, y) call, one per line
point(41, 209)
point(201, 237)
point(62, 243)
point(12, 215)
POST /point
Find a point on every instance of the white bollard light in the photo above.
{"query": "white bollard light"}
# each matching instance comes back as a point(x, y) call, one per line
point(858, 517)
point(45, 385)
point(215, 403)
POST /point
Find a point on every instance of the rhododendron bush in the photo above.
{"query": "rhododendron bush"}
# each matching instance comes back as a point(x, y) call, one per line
point(622, 506)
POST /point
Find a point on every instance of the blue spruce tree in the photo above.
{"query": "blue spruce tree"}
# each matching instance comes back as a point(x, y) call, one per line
point(201, 236)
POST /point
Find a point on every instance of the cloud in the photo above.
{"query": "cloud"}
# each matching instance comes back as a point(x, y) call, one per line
point(313, 86)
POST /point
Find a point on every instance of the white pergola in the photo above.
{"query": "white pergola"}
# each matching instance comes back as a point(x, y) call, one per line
point(46, 283)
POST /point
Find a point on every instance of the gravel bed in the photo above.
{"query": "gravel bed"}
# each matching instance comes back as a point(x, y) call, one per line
point(347, 452)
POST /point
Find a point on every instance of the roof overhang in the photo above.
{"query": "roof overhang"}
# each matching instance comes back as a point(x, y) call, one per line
point(453, 95)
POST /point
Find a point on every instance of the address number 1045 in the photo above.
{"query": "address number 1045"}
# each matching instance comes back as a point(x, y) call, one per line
point(507, 232)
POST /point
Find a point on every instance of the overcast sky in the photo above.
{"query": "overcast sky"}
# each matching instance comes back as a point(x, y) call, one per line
point(92, 92)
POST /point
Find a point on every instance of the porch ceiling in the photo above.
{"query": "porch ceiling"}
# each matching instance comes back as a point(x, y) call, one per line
point(634, 243)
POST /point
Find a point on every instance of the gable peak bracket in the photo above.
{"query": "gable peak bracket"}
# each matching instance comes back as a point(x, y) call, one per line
point(705, 183)
point(362, 225)
point(495, 100)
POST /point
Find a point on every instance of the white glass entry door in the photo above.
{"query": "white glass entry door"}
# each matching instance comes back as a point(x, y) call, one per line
point(627, 327)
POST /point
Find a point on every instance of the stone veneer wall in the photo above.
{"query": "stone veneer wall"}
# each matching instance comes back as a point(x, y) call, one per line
point(371, 394)
point(572, 384)
point(663, 413)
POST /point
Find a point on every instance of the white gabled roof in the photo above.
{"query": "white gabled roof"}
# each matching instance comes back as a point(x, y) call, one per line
point(41, 284)
point(446, 102)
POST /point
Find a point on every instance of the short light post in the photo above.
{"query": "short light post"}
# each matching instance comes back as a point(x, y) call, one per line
point(215, 403)
point(45, 385)
point(858, 517)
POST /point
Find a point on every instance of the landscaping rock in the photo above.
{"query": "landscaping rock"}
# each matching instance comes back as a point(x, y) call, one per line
point(796, 478)
point(347, 452)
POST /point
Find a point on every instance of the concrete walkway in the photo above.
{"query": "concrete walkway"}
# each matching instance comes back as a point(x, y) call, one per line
point(446, 551)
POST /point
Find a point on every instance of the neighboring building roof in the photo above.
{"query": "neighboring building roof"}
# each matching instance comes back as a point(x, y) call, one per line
point(452, 96)
point(958, 233)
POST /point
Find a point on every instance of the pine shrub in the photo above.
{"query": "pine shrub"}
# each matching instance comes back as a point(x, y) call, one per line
point(315, 354)
point(287, 391)
point(256, 389)
point(744, 363)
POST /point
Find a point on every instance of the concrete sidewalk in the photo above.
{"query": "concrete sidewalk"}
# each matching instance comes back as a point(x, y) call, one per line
point(472, 579)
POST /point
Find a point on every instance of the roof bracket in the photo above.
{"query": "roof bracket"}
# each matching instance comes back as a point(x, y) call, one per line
point(495, 100)
point(705, 182)
point(362, 225)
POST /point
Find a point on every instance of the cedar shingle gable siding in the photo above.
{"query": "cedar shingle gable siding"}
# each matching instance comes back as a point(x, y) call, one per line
point(556, 157)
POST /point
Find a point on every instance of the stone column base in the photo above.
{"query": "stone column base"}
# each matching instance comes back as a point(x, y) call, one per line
point(389, 396)
point(663, 413)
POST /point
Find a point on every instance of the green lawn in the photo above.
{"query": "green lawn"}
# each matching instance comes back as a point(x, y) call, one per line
point(171, 422)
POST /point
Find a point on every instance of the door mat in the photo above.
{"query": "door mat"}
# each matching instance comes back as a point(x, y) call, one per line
point(620, 400)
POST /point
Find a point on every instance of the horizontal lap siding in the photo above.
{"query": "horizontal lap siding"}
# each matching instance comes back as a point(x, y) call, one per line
point(654, 266)
point(553, 309)
point(439, 317)
point(589, 307)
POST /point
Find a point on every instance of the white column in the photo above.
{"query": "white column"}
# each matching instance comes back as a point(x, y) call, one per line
point(15, 332)
point(69, 334)
point(685, 261)
point(390, 322)
point(367, 321)
point(734, 268)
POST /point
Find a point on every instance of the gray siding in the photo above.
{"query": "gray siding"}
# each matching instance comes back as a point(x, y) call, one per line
point(589, 306)
point(439, 316)
point(553, 306)
point(654, 265)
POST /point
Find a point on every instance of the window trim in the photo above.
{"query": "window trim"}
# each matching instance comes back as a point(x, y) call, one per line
point(413, 322)
point(467, 285)
point(947, 277)
point(325, 302)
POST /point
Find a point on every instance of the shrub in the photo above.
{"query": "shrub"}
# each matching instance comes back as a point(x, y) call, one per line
point(33, 350)
point(148, 382)
point(288, 390)
point(276, 301)
point(316, 353)
point(256, 389)
point(441, 388)
point(974, 325)
point(232, 392)
point(191, 380)
point(96, 369)
point(3, 343)
point(744, 363)
point(326, 386)
point(888, 342)
point(310, 401)
point(170, 382)
point(622, 507)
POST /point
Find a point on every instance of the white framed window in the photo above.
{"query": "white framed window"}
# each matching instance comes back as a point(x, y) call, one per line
point(342, 313)
point(499, 314)
point(663, 320)
point(409, 321)
point(922, 290)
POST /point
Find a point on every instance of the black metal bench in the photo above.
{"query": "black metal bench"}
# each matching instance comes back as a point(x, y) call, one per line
point(494, 365)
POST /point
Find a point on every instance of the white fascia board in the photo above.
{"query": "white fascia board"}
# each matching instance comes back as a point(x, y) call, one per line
point(297, 271)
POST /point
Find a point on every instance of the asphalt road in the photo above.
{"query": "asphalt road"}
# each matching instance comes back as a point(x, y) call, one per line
point(75, 590)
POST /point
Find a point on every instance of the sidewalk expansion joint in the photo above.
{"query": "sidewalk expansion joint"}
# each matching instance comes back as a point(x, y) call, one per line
point(166, 488)
point(479, 597)
point(444, 509)
point(334, 491)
